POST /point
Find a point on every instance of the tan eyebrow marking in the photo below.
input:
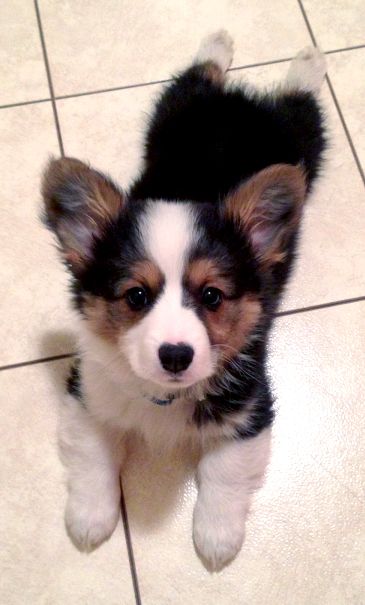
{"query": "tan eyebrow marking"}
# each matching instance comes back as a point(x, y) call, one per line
point(144, 273)
point(203, 272)
point(232, 324)
point(109, 319)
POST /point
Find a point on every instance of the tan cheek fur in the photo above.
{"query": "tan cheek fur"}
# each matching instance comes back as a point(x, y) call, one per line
point(110, 319)
point(231, 325)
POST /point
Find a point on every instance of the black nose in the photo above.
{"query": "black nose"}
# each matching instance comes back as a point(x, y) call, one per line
point(175, 358)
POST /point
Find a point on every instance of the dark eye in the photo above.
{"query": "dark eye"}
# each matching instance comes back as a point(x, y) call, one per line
point(137, 298)
point(212, 298)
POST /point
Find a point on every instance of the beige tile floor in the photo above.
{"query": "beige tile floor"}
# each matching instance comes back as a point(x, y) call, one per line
point(306, 534)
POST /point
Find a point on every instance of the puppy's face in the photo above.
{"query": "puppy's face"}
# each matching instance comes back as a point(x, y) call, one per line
point(175, 287)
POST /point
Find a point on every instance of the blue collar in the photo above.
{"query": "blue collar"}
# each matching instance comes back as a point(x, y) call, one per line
point(169, 399)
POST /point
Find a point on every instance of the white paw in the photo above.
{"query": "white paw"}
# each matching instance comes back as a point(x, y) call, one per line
point(89, 523)
point(307, 70)
point(217, 47)
point(218, 538)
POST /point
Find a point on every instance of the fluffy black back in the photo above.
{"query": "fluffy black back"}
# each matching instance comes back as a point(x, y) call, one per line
point(204, 139)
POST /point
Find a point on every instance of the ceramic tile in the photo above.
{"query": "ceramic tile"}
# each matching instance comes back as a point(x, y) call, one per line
point(347, 76)
point(22, 72)
point(306, 534)
point(37, 560)
point(131, 44)
point(36, 321)
point(305, 539)
point(326, 413)
point(108, 129)
point(337, 23)
point(331, 253)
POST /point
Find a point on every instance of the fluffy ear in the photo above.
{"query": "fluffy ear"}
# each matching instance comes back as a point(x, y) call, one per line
point(79, 203)
point(268, 207)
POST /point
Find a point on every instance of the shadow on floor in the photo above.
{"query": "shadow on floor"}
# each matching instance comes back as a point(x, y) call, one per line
point(156, 484)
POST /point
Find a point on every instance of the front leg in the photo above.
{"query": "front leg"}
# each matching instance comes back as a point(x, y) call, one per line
point(92, 455)
point(227, 477)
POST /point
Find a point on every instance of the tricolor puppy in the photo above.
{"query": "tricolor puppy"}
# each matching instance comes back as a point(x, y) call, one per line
point(176, 283)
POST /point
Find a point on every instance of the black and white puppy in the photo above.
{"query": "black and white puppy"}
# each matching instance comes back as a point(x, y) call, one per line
point(176, 284)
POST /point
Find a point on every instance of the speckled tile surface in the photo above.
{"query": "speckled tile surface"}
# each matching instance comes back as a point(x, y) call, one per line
point(305, 539)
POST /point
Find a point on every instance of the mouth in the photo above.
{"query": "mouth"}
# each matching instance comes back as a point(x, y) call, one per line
point(173, 386)
point(175, 379)
point(178, 381)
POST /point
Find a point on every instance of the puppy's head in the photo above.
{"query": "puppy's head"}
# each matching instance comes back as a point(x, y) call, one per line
point(175, 287)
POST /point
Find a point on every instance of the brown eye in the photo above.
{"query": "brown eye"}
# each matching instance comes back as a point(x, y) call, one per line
point(137, 298)
point(212, 298)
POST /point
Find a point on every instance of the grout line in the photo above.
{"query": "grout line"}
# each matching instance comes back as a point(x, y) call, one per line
point(21, 364)
point(249, 65)
point(304, 14)
point(153, 82)
point(335, 100)
point(340, 50)
point(113, 89)
point(128, 539)
point(9, 105)
point(345, 127)
point(49, 78)
point(335, 303)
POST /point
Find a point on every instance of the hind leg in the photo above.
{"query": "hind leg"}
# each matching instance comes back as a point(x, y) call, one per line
point(215, 54)
point(307, 70)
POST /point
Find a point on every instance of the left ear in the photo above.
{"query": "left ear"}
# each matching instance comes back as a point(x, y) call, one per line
point(79, 204)
point(268, 208)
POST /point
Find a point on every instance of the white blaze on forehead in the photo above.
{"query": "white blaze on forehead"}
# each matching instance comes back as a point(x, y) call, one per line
point(168, 232)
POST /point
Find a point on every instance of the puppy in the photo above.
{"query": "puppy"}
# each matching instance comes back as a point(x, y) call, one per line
point(176, 284)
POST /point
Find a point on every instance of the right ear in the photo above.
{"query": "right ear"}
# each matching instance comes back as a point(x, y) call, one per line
point(267, 207)
point(79, 203)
